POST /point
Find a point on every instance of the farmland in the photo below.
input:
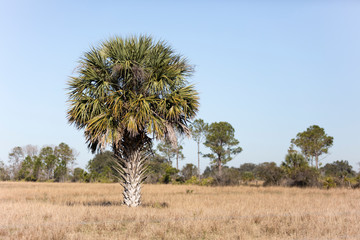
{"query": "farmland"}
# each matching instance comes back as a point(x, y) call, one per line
point(94, 211)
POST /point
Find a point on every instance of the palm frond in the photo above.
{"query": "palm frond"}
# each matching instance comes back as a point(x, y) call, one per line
point(133, 85)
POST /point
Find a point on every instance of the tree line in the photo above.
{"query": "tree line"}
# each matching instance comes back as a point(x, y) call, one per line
point(29, 163)
point(301, 166)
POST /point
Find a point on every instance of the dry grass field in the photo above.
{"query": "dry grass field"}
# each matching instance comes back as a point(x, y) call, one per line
point(94, 211)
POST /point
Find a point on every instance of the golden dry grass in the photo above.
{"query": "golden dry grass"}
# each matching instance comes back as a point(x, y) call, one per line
point(93, 211)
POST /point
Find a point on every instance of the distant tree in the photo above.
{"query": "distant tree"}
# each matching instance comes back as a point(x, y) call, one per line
point(49, 159)
point(247, 167)
point(247, 177)
point(171, 151)
point(178, 150)
point(101, 167)
point(221, 141)
point(313, 142)
point(270, 173)
point(209, 171)
point(293, 161)
point(159, 170)
point(37, 171)
point(80, 175)
point(198, 132)
point(30, 150)
point(156, 168)
point(166, 150)
point(4, 172)
point(16, 157)
point(188, 171)
point(340, 169)
point(26, 170)
point(26, 164)
point(65, 157)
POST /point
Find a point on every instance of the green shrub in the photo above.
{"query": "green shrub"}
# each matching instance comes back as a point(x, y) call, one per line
point(329, 182)
point(193, 180)
point(203, 182)
point(247, 177)
point(207, 181)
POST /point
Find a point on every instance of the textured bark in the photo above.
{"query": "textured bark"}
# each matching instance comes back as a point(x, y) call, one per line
point(132, 172)
point(132, 181)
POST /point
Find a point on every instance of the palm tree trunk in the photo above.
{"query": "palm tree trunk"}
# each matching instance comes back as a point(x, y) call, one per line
point(132, 189)
point(132, 174)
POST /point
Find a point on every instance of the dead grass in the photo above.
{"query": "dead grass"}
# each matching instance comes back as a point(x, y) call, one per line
point(94, 211)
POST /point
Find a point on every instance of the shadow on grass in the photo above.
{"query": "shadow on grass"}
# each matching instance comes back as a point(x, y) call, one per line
point(155, 205)
point(115, 203)
point(95, 203)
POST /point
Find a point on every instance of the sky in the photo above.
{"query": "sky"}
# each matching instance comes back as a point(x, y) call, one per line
point(269, 68)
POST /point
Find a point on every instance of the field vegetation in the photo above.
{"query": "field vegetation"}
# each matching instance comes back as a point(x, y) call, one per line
point(32, 210)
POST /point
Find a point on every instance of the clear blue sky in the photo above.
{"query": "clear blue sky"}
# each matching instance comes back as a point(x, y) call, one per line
point(270, 68)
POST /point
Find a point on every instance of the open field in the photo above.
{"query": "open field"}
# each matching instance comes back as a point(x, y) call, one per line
point(94, 211)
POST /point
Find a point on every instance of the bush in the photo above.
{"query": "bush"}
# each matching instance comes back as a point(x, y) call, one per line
point(340, 169)
point(188, 171)
point(329, 182)
point(270, 173)
point(357, 183)
point(207, 181)
point(193, 180)
point(229, 176)
point(247, 177)
point(304, 177)
point(80, 175)
point(170, 175)
point(203, 182)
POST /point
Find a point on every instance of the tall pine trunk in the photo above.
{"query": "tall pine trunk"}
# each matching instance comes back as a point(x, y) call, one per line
point(219, 165)
point(177, 158)
point(198, 145)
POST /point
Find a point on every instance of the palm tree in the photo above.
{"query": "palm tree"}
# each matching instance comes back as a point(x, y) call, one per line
point(127, 93)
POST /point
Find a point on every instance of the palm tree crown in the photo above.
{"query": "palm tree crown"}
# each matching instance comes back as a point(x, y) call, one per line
point(131, 88)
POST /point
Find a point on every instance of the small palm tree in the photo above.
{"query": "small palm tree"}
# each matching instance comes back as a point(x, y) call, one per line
point(128, 92)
